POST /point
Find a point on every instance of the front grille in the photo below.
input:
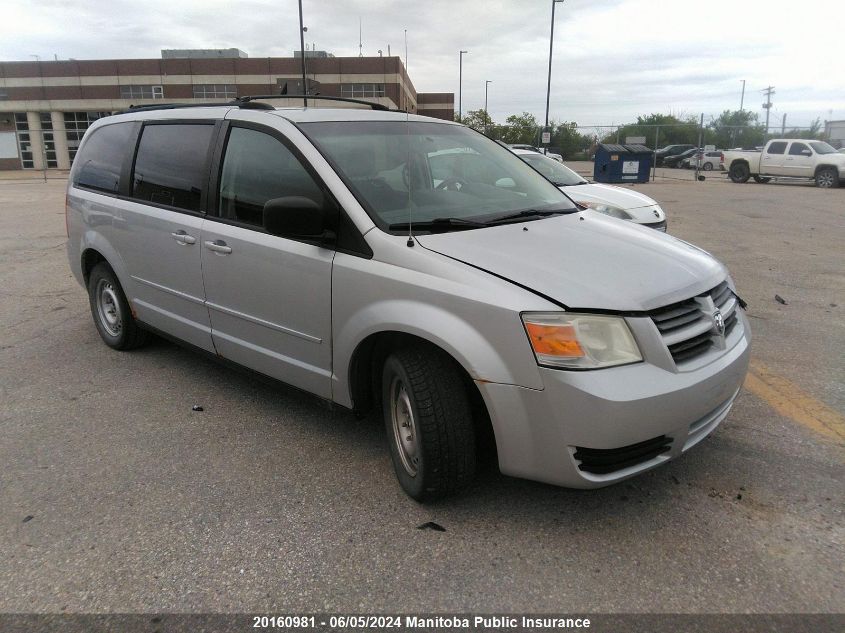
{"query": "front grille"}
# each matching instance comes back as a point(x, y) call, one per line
point(601, 461)
point(688, 328)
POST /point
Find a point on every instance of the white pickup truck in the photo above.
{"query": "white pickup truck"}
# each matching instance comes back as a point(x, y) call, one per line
point(794, 158)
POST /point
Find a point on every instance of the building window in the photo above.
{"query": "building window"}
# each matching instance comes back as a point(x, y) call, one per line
point(4, 94)
point(141, 92)
point(48, 139)
point(24, 141)
point(215, 91)
point(75, 125)
point(361, 90)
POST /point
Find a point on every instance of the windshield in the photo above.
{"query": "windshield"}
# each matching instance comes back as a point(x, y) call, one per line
point(418, 171)
point(822, 148)
point(559, 174)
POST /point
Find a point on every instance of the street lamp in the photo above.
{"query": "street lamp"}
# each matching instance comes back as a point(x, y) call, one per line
point(302, 54)
point(486, 114)
point(460, 81)
point(551, 48)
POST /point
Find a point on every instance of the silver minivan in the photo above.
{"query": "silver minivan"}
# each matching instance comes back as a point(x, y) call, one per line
point(385, 261)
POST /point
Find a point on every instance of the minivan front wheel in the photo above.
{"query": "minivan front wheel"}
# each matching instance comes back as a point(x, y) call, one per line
point(110, 310)
point(428, 420)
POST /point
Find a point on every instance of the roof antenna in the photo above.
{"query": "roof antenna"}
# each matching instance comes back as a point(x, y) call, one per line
point(410, 242)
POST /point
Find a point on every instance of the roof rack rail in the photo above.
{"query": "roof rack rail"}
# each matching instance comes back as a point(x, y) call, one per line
point(374, 106)
point(177, 106)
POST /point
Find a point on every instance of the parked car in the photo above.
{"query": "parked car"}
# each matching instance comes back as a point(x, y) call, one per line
point(670, 150)
point(676, 159)
point(617, 202)
point(412, 266)
point(795, 158)
point(706, 161)
point(531, 148)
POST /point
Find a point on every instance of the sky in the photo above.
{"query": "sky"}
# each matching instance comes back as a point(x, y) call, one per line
point(613, 59)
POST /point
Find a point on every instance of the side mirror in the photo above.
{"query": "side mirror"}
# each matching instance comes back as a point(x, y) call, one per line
point(806, 152)
point(296, 217)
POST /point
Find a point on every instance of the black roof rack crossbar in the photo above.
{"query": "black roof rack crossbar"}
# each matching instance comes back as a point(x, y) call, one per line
point(374, 106)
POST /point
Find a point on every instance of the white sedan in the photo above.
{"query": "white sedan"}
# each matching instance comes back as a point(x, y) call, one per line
point(617, 202)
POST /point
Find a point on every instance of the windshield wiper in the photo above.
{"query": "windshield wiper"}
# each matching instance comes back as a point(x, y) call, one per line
point(530, 213)
point(438, 225)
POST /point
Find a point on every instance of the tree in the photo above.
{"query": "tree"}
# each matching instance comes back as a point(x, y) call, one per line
point(477, 119)
point(672, 130)
point(520, 128)
point(736, 128)
point(813, 132)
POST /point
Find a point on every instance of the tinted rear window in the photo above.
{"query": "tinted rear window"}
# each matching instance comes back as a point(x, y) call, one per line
point(100, 160)
point(170, 167)
point(776, 148)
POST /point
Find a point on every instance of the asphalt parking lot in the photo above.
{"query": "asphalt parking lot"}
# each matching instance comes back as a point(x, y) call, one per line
point(116, 497)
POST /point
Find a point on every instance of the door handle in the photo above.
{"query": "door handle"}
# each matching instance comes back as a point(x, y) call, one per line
point(183, 238)
point(218, 246)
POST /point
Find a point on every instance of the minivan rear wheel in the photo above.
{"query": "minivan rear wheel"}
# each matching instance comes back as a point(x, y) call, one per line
point(111, 312)
point(428, 420)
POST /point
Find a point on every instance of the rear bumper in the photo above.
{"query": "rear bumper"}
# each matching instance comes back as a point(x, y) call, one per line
point(558, 434)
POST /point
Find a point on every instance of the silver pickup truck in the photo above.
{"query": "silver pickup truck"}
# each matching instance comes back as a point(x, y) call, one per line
point(794, 158)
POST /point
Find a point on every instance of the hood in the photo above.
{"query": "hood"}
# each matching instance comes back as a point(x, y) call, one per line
point(587, 260)
point(639, 206)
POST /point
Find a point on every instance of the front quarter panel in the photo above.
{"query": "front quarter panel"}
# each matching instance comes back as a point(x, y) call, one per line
point(471, 314)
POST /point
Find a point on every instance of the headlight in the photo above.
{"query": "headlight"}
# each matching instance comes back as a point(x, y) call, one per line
point(580, 341)
point(607, 209)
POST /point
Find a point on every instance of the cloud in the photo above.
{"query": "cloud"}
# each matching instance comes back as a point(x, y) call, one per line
point(613, 59)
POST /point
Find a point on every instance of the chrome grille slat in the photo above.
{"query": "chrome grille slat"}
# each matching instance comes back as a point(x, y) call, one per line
point(687, 327)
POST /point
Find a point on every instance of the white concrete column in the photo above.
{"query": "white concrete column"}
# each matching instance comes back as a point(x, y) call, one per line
point(36, 139)
point(60, 138)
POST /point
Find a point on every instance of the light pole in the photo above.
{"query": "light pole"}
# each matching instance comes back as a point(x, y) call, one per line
point(549, 83)
point(302, 54)
point(742, 97)
point(486, 115)
point(460, 81)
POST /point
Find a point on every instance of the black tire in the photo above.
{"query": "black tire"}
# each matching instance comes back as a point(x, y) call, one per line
point(739, 172)
point(761, 179)
point(110, 309)
point(437, 457)
point(827, 178)
point(707, 166)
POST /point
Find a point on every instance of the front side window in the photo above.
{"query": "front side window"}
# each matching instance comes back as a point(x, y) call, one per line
point(170, 167)
point(258, 167)
point(100, 161)
point(823, 148)
point(796, 148)
point(776, 148)
point(418, 171)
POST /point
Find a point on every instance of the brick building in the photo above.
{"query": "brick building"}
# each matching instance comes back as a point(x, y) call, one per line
point(46, 106)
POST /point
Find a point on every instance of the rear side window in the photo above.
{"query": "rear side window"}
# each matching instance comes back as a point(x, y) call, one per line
point(257, 168)
point(776, 148)
point(99, 162)
point(171, 165)
point(796, 148)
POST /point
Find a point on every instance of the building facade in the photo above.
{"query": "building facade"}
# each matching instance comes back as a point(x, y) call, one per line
point(46, 106)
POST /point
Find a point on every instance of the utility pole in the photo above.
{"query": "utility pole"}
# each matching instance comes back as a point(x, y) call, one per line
point(783, 125)
point(769, 91)
point(742, 97)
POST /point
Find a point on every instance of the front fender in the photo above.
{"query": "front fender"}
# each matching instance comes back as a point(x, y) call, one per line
point(507, 360)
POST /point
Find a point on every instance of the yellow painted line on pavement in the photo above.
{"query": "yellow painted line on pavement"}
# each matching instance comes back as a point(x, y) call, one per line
point(790, 401)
